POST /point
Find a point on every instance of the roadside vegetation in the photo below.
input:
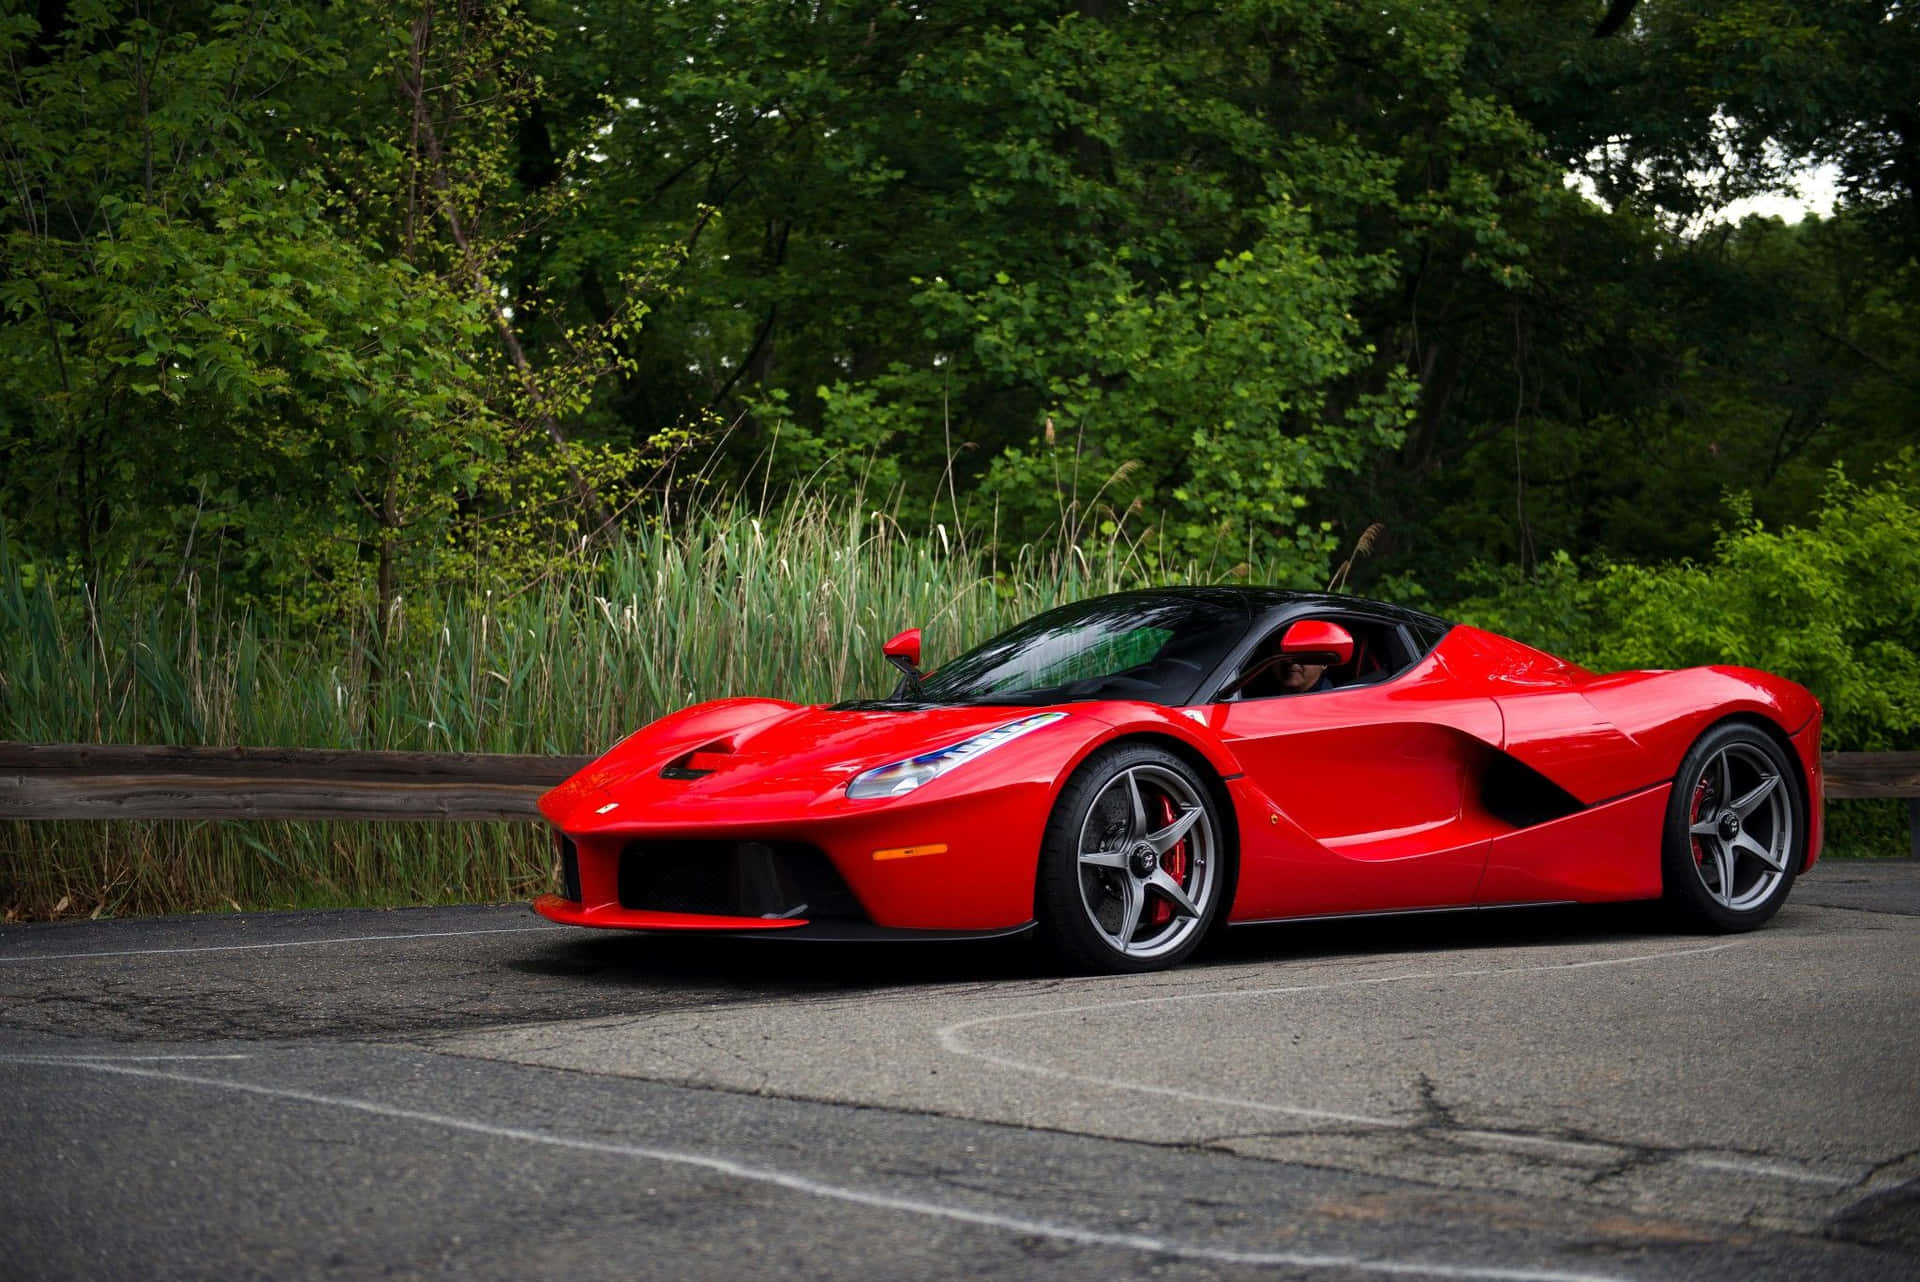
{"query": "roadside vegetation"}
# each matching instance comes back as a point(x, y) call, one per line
point(491, 375)
point(792, 602)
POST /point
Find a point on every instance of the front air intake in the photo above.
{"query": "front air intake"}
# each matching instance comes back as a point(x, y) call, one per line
point(780, 879)
point(569, 866)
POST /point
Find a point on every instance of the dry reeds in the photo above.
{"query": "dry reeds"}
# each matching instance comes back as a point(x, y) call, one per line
point(793, 603)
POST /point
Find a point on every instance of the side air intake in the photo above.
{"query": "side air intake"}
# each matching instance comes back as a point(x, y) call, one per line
point(1522, 796)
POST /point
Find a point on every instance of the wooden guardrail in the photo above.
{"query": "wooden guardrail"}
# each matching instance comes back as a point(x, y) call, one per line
point(1859, 776)
point(109, 781)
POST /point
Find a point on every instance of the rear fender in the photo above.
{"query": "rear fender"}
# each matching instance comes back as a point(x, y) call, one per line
point(1665, 712)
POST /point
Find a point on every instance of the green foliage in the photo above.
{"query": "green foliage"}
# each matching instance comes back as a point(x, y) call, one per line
point(252, 329)
point(1833, 604)
point(246, 386)
point(1212, 403)
point(1162, 228)
point(1272, 271)
point(1743, 90)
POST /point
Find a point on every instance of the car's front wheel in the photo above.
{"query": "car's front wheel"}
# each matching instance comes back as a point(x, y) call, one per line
point(1736, 829)
point(1134, 866)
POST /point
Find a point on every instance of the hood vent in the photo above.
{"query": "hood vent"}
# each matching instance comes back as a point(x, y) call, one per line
point(699, 763)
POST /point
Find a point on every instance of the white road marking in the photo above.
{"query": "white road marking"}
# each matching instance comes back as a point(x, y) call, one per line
point(287, 943)
point(1778, 1170)
point(793, 1182)
point(1552, 1143)
point(951, 1038)
point(90, 1060)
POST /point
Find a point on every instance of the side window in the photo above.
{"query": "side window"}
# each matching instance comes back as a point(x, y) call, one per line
point(1380, 653)
point(1427, 634)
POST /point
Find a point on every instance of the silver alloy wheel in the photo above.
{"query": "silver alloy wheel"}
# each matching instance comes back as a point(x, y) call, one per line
point(1148, 840)
point(1741, 825)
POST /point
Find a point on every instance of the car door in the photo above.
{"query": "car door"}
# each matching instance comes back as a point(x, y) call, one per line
point(1361, 798)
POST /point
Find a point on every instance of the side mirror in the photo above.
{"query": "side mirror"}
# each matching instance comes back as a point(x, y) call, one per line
point(905, 646)
point(903, 652)
point(1317, 641)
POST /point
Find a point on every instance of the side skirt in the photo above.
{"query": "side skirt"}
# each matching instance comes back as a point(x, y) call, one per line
point(1409, 912)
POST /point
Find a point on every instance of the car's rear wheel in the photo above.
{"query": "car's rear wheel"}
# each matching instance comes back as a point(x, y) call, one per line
point(1736, 829)
point(1133, 868)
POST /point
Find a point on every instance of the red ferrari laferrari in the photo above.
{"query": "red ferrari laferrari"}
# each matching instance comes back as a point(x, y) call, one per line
point(1127, 772)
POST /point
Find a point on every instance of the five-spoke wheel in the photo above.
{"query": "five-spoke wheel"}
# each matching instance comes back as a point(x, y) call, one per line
point(1134, 866)
point(1736, 829)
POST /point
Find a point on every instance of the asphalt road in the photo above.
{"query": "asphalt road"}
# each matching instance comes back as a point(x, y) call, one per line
point(1535, 1095)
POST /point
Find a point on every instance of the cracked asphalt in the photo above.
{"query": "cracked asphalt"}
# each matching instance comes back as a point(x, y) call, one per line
point(1548, 1094)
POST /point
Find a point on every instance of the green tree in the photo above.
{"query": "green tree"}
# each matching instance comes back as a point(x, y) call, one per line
point(1640, 362)
point(964, 221)
point(199, 348)
point(255, 321)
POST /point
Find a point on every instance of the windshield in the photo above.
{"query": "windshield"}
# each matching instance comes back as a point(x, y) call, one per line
point(1153, 647)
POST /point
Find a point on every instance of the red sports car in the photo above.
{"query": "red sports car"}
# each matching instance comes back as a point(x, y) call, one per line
point(1127, 772)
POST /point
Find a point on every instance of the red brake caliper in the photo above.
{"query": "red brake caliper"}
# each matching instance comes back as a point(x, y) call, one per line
point(1693, 819)
point(1174, 862)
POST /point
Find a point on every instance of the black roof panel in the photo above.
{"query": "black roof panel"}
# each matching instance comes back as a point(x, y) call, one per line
point(1258, 601)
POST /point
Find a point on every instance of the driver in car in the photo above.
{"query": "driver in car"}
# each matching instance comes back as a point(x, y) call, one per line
point(1302, 678)
point(1271, 674)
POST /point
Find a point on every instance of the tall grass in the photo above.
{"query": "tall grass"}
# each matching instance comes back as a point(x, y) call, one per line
point(793, 603)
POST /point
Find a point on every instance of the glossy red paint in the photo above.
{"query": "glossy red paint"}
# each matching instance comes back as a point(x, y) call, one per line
point(787, 781)
point(1484, 773)
point(1317, 637)
point(905, 645)
point(1547, 723)
point(1664, 712)
point(1595, 856)
point(1374, 787)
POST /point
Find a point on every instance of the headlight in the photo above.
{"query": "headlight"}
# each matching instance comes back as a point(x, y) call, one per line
point(904, 776)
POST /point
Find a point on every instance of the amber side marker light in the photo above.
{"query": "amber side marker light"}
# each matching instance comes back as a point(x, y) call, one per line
point(910, 852)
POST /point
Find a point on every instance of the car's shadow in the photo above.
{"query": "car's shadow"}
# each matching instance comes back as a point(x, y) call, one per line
point(742, 969)
point(462, 980)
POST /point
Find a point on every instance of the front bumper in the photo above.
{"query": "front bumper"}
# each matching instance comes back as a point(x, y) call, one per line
point(557, 909)
point(568, 913)
point(960, 864)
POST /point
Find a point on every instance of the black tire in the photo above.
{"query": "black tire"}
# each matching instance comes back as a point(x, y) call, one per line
point(1736, 830)
point(1138, 826)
